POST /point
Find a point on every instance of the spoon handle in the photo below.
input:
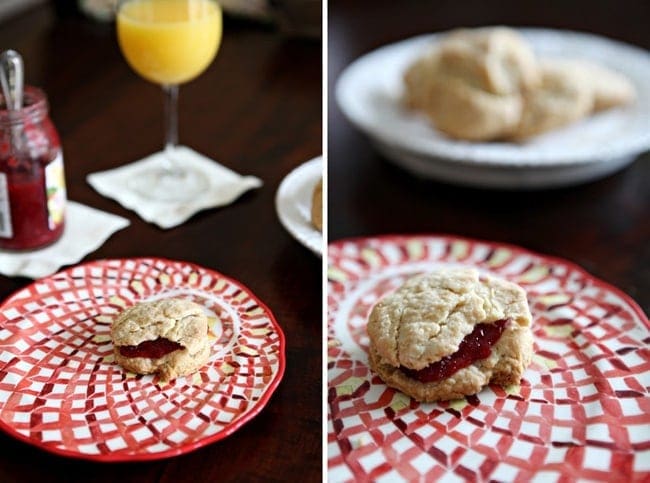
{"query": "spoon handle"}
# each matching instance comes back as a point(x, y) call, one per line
point(12, 78)
point(6, 93)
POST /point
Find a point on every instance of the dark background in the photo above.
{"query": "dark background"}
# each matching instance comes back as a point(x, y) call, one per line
point(257, 110)
point(602, 226)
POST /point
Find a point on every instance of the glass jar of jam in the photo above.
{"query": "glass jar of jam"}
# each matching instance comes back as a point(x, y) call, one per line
point(32, 181)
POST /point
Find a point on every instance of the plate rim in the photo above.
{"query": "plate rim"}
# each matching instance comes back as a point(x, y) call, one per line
point(516, 249)
point(282, 215)
point(641, 145)
point(187, 448)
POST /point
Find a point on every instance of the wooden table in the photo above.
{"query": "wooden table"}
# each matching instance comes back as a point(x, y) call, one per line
point(256, 110)
point(602, 226)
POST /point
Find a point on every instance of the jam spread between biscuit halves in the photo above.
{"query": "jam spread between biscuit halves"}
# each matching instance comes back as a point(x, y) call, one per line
point(152, 349)
point(475, 346)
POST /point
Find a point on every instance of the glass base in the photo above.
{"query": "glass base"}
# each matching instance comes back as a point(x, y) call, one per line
point(169, 185)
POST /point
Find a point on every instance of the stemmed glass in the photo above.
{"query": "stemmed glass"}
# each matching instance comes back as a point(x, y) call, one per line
point(169, 42)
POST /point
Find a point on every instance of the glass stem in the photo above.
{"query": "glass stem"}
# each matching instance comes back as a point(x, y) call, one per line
point(171, 127)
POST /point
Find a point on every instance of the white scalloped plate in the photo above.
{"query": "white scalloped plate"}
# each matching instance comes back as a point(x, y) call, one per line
point(369, 91)
point(293, 204)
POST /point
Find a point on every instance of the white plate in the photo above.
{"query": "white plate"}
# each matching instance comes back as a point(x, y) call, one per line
point(369, 92)
point(293, 203)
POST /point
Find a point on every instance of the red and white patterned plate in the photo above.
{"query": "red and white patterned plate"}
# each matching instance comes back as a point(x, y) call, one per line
point(582, 409)
point(61, 390)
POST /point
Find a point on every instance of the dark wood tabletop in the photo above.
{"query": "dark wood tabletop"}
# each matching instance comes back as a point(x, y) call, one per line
point(602, 226)
point(257, 110)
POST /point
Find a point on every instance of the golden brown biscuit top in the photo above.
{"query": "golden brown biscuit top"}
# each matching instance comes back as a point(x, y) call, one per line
point(177, 320)
point(427, 318)
point(495, 59)
point(486, 84)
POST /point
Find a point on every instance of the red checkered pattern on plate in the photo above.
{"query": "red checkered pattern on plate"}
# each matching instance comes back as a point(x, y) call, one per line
point(582, 409)
point(61, 389)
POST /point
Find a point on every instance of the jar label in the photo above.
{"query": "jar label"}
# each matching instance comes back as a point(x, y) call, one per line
point(6, 230)
point(55, 192)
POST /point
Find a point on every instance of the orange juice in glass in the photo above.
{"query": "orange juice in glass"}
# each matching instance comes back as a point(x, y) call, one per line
point(169, 42)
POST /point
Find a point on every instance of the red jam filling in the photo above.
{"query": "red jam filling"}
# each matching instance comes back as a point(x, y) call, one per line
point(151, 349)
point(475, 346)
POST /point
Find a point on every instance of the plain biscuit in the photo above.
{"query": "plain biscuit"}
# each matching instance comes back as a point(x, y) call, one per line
point(608, 87)
point(464, 112)
point(485, 84)
point(470, 85)
point(497, 60)
point(561, 98)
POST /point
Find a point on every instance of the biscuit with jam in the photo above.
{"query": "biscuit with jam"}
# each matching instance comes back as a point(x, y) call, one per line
point(447, 334)
point(168, 337)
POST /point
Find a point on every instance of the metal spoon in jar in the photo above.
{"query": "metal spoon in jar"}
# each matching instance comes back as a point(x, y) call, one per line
point(12, 79)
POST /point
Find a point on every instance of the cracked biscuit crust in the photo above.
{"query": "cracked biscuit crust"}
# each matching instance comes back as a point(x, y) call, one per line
point(176, 320)
point(497, 60)
point(427, 318)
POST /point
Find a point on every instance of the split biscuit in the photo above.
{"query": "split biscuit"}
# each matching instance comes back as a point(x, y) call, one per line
point(446, 334)
point(168, 337)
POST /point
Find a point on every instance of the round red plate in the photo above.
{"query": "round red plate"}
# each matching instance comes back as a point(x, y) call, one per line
point(582, 410)
point(61, 390)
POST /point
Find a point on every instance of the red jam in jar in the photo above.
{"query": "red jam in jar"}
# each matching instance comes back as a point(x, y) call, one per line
point(32, 181)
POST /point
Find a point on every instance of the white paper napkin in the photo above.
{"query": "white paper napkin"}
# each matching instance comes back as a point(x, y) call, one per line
point(224, 187)
point(86, 229)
